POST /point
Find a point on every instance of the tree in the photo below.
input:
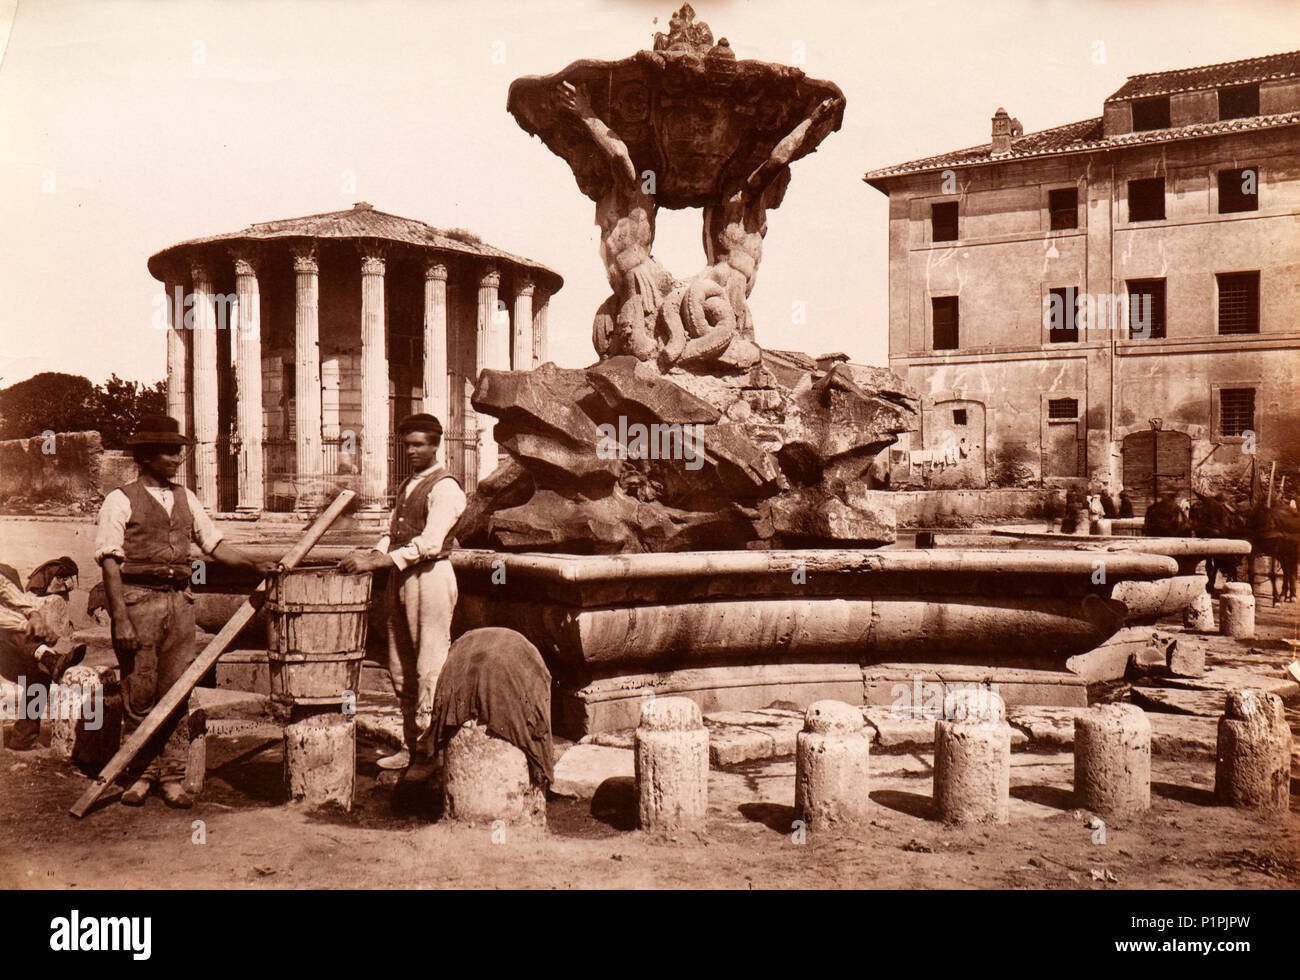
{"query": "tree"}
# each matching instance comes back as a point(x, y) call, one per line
point(70, 403)
point(48, 401)
point(121, 403)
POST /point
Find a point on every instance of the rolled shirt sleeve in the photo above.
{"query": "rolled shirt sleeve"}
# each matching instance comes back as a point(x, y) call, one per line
point(15, 605)
point(446, 504)
point(206, 534)
point(110, 532)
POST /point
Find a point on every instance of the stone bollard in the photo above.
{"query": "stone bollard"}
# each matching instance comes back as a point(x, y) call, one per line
point(1112, 760)
point(1237, 611)
point(1254, 756)
point(320, 756)
point(486, 779)
point(972, 759)
point(832, 770)
point(1199, 615)
point(85, 714)
point(672, 766)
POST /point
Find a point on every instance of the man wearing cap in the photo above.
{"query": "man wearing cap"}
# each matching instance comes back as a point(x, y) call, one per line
point(421, 583)
point(143, 545)
point(32, 623)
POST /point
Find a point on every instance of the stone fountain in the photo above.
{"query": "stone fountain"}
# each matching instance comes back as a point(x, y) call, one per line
point(693, 513)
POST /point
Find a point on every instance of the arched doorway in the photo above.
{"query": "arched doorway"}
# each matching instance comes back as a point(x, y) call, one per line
point(1156, 461)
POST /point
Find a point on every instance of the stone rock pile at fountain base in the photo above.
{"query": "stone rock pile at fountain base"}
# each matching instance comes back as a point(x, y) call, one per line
point(618, 458)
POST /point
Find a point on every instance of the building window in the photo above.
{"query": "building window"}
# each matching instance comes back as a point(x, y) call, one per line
point(1239, 102)
point(1151, 114)
point(944, 309)
point(1146, 309)
point(1238, 190)
point(1146, 199)
point(1238, 302)
point(1062, 409)
point(1236, 411)
point(1064, 207)
point(943, 222)
point(1063, 316)
point(959, 416)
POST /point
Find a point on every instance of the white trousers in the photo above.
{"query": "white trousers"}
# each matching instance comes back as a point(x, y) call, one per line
point(420, 603)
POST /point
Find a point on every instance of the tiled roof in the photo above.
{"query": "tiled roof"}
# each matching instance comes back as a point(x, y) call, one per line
point(362, 221)
point(1286, 65)
point(1078, 137)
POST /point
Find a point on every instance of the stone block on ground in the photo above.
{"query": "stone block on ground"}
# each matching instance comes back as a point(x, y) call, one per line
point(85, 715)
point(1253, 767)
point(486, 779)
point(582, 768)
point(672, 766)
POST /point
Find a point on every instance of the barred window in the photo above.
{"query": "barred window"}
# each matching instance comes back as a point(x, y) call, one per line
point(944, 310)
point(1063, 408)
point(1238, 302)
point(1236, 411)
point(943, 222)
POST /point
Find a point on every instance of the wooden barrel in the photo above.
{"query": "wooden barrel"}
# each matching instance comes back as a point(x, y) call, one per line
point(316, 634)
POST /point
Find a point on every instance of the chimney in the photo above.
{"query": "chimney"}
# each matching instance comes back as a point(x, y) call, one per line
point(1001, 133)
point(363, 206)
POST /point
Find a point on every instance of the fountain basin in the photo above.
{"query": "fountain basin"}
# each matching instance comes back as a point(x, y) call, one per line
point(1147, 601)
point(742, 629)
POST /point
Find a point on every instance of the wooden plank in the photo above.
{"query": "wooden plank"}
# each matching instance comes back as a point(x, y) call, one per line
point(179, 691)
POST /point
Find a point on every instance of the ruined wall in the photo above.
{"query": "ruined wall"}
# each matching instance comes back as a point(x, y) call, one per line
point(56, 475)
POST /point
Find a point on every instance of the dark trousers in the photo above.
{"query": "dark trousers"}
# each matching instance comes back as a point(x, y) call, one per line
point(164, 624)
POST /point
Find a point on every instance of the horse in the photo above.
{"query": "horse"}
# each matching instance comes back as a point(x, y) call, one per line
point(1275, 531)
point(1213, 517)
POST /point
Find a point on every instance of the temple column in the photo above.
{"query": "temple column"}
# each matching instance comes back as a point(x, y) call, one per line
point(486, 354)
point(204, 341)
point(521, 350)
point(306, 376)
point(248, 380)
point(374, 381)
point(539, 330)
point(435, 341)
point(178, 367)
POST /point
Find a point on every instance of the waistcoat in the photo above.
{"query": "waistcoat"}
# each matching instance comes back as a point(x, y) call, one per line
point(412, 511)
point(155, 542)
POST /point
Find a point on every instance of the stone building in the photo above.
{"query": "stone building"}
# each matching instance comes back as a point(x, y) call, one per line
point(1112, 299)
point(294, 345)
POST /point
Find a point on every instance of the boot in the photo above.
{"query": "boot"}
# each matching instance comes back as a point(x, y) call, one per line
point(138, 793)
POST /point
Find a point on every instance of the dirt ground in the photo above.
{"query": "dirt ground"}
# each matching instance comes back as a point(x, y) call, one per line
point(244, 834)
point(252, 838)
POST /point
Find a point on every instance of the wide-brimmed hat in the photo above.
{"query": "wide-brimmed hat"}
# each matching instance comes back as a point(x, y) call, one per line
point(158, 430)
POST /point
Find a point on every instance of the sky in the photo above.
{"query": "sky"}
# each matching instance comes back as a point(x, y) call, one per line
point(126, 127)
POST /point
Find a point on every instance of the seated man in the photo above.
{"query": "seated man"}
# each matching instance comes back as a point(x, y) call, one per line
point(30, 626)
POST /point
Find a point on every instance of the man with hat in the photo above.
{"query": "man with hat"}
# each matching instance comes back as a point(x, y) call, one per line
point(421, 583)
point(143, 546)
point(35, 643)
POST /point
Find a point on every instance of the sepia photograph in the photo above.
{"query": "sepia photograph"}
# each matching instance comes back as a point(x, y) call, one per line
point(587, 444)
